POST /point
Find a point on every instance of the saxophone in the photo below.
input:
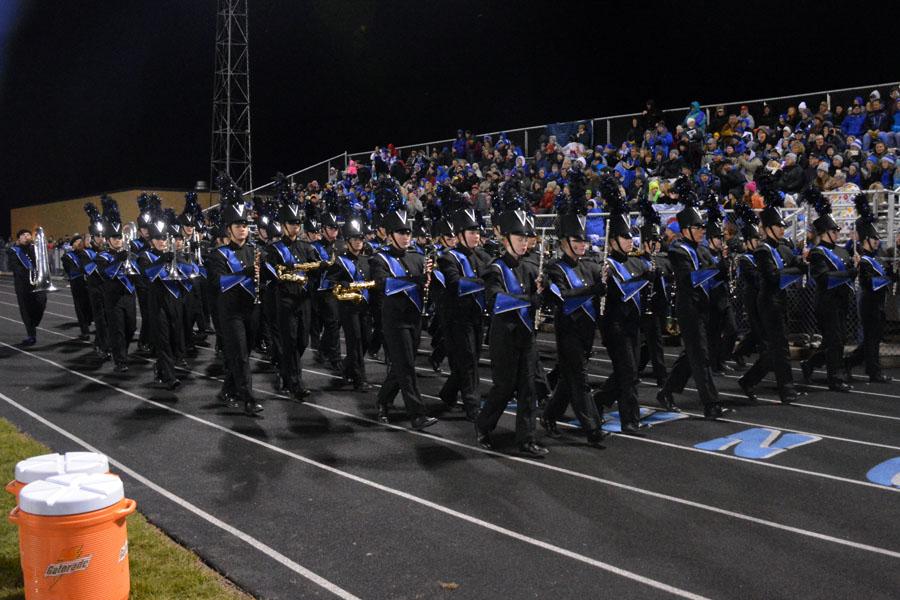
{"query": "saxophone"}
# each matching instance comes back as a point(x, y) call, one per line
point(351, 292)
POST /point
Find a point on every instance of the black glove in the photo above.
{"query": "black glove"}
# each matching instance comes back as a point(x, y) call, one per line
point(598, 289)
point(167, 256)
point(194, 245)
point(249, 271)
point(121, 254)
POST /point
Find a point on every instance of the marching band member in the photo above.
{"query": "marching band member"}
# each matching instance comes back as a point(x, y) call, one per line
point(194, 272)
point(115, 266)
point(693, 267)
point(748, 275)
point(73, 262)
point(328, 349)
point(400, 277)
point(833, 271)
point(577, 285)
point(655, 296)
point(94, 281)
point(148, 205)
point(235, 270)
point(875, 280)
point(31, 302)
point(513, 291)
point(778, 269)
point(293, 295)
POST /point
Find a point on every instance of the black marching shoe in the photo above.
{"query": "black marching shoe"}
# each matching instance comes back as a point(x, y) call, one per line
point(635, 429)
point(666, 401)
point(740, 362)
point(748, 391)
point(483, 439)
point(181, 364)
point(252, 408)
point(435, 364)
point(533, 449)
point(300, 395)
point(84, 337)
point(362, 386)
point(169, 385)
point(789, 396)
point(723, 369)
point(595, 438)
point(839, 386)
point(29, 341)
point(471, 413)
point(711, 412)
point(549, 427)
point(422, 422)
point(278, 384)
point(120, 368)
point(384, 413)
point(228, 399)
point(880, 378)
point(807, 370)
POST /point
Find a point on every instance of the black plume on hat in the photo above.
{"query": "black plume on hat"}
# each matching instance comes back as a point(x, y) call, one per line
point(188, 216)
point(652, 223)
point(865, 224)
point(231, 201)
point(747, 220)
point(816, 199)
point(111, 215)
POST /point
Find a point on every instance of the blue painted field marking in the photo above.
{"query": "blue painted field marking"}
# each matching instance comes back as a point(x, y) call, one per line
point(886, 473)
point(650, 417)
point(759, 442)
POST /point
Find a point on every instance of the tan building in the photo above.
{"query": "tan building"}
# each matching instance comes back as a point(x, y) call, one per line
point(67, 216)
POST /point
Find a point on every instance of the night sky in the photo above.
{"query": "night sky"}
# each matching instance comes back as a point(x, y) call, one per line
point(98, 96)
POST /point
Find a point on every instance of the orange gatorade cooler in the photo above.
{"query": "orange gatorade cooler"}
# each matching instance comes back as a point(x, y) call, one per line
point(41, 467)
point(73, 542)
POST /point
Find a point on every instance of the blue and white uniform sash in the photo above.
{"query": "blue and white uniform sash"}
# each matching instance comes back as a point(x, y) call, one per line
point(467, 284)
point(400, 283)
point(237, 277)
point(882, 279)
point(354, 273)
point(506, 302)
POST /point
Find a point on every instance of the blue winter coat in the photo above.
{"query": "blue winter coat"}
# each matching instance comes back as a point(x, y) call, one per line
point(853, 124)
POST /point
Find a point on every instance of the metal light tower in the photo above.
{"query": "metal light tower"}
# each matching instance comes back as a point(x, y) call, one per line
point(231, 95)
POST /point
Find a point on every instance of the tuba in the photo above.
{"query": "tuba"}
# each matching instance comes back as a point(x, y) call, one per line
point(39, 276)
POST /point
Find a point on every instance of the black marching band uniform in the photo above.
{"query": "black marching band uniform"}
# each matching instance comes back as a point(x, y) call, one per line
point(32, 300)
point(115, 265)
point(94, 281)
point(73, 262)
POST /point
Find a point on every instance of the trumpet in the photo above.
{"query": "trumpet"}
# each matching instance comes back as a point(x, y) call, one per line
point(351, 292)
point(128, 233)
point(39, 276)
point(174, 272)
point(197, 256)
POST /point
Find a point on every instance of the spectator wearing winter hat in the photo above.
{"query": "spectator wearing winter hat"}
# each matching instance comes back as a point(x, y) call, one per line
point(792, 179)
point(696, 113)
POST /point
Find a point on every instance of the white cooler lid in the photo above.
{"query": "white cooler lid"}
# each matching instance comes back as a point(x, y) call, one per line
point(47, 465)
point(71, 494)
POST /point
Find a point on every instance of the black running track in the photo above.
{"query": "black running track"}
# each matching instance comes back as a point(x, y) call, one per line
point(320, 500)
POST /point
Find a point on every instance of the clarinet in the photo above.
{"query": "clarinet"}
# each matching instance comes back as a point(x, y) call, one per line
point(538, 317)
point(429, 255)
point(603, 262)
point(256, 265)
point(650, 286)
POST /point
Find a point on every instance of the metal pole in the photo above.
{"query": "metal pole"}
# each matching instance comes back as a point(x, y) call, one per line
point(346, 160)
point(526, 143)
point(828, 100)
point(608, 133)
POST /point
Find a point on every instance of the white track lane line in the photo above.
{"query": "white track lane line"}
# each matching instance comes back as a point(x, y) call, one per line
point(646, 440)
point(230, 529)
point(606, 360)
point(596, 376)
point(410, 497)
point(536, 464)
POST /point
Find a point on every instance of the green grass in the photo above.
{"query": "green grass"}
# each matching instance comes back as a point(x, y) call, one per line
point(160, 568)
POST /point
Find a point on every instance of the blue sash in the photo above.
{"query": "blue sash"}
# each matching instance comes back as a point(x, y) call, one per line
point(74, 258)
point(114, 271)
point(324, 282)
point(786, 280)
point(630, 287)
point(398, 283)
point(505, 303)
point(749, 258)
point(698, 276)
point(354, 273)
point(882, 279)
point(90, 267)
point(838, 264)
point(158, 270)
point(139, 245)
point(23, 257)
point(467, 285)
point(226, 282)
point(287, 257)
point(583, 302)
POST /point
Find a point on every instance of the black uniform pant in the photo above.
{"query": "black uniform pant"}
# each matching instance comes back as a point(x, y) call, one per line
point(193, 312)
point(624, 351)
point(512, 371)
point(463, 343)
point(31, 306)
point(437, 329)
point(325, 309)
point(293, 329)
point(694, 359)
point(400, 351)
point(235, 310)
point(831, 315)
point(722, 334)
point(101, 331)
point(165, 314)
point(871, 312)
point(776, 355)
point(356, 324)
point(652, 346)
point(82, 303)
point(753, 340)
point(213, 293)
point(573, 349)
point(143, 295)
point(122, 320)
point(377, 337)
point(270, 322)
